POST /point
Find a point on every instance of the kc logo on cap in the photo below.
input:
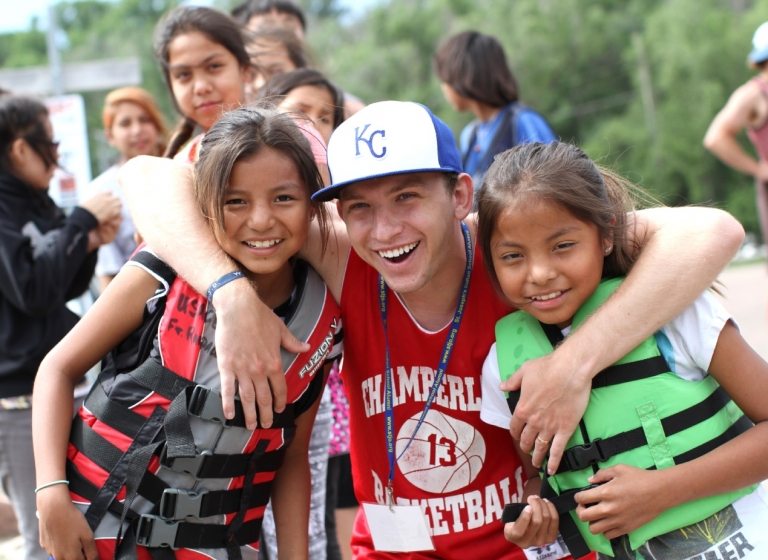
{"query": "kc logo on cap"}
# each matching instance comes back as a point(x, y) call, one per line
point(368, 142)
point(388, 138)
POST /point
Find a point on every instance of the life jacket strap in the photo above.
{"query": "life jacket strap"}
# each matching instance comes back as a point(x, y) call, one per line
point(154, 376)
point(564, 503)
point(177, 504)
point(737, 428)
point(121, 468)
point(630, 371)
point(205, 403)
point(612, 375)
point(582, 456)
point(153, 531)
point(206, 464)
point(173, 503)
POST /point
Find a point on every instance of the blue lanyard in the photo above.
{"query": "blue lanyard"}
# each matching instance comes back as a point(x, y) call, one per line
point(445, 355)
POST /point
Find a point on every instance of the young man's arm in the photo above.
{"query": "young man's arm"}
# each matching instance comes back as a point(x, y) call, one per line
point(728, 124)
point(160, 196)
point(683, 250)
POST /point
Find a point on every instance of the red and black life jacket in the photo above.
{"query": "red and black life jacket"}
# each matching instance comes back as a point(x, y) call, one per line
point(151, 459)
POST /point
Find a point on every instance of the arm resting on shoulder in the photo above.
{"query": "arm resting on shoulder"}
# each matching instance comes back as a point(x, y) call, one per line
point(160, 196)
point(683, 250)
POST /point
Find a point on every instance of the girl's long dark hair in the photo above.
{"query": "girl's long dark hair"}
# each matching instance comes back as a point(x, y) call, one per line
point(219, 28)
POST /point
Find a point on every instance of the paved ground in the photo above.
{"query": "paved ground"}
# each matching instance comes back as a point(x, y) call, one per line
point(745, 289)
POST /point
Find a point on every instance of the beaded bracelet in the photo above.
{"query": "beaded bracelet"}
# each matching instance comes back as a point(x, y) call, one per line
point(49, 484)
point(223, 281)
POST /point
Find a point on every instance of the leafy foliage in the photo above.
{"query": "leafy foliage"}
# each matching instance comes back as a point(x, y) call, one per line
point(634, 82)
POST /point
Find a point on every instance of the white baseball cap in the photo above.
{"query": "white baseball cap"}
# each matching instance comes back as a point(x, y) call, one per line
point(759, 52)
point(388, 138)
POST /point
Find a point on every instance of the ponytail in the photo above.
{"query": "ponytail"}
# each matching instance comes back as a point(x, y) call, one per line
point(180, 136)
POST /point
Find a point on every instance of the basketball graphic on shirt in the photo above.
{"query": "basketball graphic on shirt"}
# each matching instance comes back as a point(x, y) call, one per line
point(445, 455)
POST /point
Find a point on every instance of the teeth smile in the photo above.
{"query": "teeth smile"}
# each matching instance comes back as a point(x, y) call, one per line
point(262, 244)
point(394, 253)
point(546, 297)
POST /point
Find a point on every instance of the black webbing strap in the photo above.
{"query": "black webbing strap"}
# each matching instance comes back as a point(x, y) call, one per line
point(179, 441)
point(630, 371)
point(121, 468)
point(202, 465)
point(581, 456)
point(158, 378)
point(568, 528)
point(173, 503)
point(176, 504)
point(85, 488)
point(612, 375)
point(97, 448)
point(205, 403)
point(233, 548)
point(104, 454)
point(739, 427)
point(564, 503)
point(205, 465)
point(112, 413)
point(153, 531)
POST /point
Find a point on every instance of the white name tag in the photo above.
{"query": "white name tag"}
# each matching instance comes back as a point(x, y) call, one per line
point(550, 552)
point(397, 528)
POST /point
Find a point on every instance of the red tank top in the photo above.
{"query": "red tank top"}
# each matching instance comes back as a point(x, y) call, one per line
point(459, 469)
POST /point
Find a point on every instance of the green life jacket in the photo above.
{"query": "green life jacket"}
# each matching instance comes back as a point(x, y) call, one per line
point(639, 414)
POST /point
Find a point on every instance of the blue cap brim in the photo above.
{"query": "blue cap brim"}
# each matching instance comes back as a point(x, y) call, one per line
point(758, 55)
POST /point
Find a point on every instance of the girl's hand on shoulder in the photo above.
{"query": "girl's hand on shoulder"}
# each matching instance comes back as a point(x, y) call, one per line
point(537, 525)
point(64, 532)
point(626, 498)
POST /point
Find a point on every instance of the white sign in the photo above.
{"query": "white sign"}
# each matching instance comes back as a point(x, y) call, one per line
point(67, 114)
point(94, 75)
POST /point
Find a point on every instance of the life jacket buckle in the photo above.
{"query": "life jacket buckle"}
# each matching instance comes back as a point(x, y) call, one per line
point(206, 404)
point(189, 465)
point(176, 504)
point(581, 456)
point(154, 532)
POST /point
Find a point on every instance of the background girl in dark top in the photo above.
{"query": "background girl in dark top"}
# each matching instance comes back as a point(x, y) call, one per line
point(46, 258)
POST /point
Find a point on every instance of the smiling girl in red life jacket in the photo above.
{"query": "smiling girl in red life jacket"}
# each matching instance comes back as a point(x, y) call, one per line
point(150, 468)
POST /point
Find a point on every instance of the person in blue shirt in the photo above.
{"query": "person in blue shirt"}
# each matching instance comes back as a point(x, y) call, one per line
point(475, 77)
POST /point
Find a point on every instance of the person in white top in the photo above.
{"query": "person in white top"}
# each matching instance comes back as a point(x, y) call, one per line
point(134, 126)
